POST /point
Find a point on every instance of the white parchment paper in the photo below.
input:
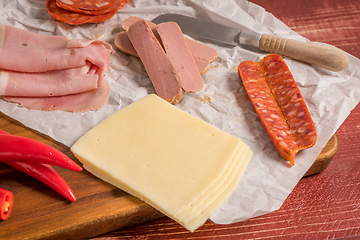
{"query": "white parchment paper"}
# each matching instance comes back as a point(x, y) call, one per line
point(268, 179)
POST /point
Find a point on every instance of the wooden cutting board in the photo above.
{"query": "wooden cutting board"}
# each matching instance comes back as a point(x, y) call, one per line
point(41, 213)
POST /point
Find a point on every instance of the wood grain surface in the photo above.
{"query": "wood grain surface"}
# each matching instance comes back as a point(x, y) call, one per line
point(324, 205)
point(41, 213)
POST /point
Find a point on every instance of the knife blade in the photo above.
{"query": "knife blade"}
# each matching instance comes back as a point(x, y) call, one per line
point(325, 56)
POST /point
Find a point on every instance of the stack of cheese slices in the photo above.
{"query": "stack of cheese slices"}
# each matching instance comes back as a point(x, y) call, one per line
point(177, 163)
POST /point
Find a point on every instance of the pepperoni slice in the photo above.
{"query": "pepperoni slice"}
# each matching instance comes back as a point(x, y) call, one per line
point(111, 8)
point(279, 105)
point(88, 5)
point(74, 18)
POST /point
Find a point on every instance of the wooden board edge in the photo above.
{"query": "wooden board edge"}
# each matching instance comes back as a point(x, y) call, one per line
point(325, 157)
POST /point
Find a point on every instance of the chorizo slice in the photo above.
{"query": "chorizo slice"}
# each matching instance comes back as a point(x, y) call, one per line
point(89, 5)
point(68, 5)
point(75, 18)
point(279, 104)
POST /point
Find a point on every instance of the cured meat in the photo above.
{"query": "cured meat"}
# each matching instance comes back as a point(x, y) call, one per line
point(180, 57)
point(76, 6)
point(25, 51)
point(279, 105)
point(290, 100)
point(46, 84)
point(51, 72)
point(125, 25)
point(89, 5)
point(75, 18)
point(197, 49)
point(202, 65)
point(123, 43)
point(201, 50)
point(155, 61)
point(81, 102)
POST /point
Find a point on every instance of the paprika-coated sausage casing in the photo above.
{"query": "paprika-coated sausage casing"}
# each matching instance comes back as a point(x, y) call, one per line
point(279, 105)
point(290, 100)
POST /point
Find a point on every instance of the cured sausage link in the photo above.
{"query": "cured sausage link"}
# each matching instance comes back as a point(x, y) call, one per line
point(290, 100)
point(279, 104)
point(267, 109)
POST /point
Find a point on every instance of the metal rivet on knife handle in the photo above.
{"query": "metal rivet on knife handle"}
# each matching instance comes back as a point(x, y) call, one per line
point(328, 57)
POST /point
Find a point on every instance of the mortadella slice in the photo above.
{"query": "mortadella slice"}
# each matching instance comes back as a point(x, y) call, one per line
point(201, 50)
point(197, 49)
point(123, 43)
point(156, 62)
point(180, 57)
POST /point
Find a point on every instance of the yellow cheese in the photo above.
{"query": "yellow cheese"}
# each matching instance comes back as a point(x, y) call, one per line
point(192, 222)
point(177, 163)
point(215, 195)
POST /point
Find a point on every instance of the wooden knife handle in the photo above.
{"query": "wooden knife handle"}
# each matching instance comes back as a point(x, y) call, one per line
point(330, 58)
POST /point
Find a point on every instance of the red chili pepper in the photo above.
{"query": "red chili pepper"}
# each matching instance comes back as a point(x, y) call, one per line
point(22, 149)
point(38, 169)
point(6, 203)
point(46, 174)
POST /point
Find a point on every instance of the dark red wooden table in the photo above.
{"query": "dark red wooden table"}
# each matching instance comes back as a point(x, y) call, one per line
point(322, 206)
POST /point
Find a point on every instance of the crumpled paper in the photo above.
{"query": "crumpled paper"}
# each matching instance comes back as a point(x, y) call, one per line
point(268, 179)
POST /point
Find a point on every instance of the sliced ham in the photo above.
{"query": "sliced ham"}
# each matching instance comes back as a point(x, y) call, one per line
point(197, 49)
point(81, 102)
point(180, 57)
point(43, 72)
point(46, 84)
point(155, 61)
point(123, 43)
point(25, 51)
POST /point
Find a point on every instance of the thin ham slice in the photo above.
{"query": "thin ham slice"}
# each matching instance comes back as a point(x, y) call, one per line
point(81, 102)
point(42, 72)
point(25, 51)
point(155, 61)
point(46, 84)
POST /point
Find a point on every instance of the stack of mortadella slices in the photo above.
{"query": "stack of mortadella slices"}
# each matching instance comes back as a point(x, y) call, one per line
point(44, 72)
point(77, 12)
point(173, 62)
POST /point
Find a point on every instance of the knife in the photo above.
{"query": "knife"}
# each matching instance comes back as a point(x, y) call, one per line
point(328, 57)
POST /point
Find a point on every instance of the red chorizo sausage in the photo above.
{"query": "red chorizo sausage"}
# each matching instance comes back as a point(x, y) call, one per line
point(279, 105)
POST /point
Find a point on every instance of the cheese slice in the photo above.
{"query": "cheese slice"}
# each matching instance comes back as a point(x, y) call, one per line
point(192, 223)
point(215, 195)
point(164, 156)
